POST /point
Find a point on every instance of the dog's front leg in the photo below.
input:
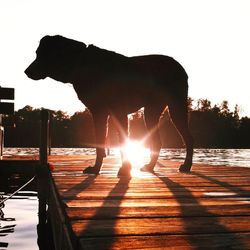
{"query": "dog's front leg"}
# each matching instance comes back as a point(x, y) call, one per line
point(100, 123)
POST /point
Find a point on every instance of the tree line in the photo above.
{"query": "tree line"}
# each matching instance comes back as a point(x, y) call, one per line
point(211, 126)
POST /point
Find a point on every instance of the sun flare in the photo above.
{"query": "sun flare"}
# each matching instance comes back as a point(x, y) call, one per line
point(136, 153)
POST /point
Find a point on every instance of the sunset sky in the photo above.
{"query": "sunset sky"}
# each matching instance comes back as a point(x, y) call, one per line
point(210, 38)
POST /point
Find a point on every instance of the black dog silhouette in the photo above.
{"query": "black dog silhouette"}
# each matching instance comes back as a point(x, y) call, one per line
point(113, 84)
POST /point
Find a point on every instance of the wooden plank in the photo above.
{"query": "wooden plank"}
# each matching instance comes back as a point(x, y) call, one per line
point(234, 184)
point(7, 93)
point(87, 194)
point(209, 208)
point(147, 179)
point(67, 186)
point(165, 166)
point(181, 185)
point(161, 226)
point(168, 203)
point(79, 167)
point(181, 242)
point(79, 213)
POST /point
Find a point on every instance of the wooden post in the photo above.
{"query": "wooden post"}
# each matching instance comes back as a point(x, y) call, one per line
point(1, 140)
point(49, 133)
point(44, 137)
point(43, 170)
point(7, 109)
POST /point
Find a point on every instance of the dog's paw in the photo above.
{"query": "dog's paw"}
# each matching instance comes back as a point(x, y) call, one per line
point(185, 168)
point(147, 168)
point(91, 170)
point(125, 171)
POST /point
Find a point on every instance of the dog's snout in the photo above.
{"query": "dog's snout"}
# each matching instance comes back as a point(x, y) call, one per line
point(27, 71)
point(34, 71)
point(30, 73)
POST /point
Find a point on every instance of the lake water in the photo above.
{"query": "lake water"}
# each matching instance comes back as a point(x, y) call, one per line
point(228, 157)
point(18, 224)
point(18, 221)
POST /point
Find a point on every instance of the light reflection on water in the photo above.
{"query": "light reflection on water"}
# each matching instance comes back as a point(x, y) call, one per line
point(20, 218)
point(228, 157)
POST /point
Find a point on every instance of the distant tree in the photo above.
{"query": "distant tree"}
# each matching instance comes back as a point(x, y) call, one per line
point(210, 126)
point(224, 108)
point(216, 110)
point(26, 131)
point(60, 133)
point(169, 135)
point(244, 131)
point(59, 115)
point(190, 104)
point(236, 112)
point(203, 105)
point(214, 126)
point(137, 125)
point(82, 129)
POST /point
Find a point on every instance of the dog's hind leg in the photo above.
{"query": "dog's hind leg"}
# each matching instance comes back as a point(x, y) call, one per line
point(121, 123)
point(152, 116)
point(179, 115)
point(100, 123)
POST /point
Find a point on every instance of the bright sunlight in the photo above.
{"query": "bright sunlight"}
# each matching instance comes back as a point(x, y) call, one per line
point(137, 154)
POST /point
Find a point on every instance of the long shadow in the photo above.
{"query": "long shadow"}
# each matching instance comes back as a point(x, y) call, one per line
point(218, 228)
point(109, 227)
point(226, 185)
point(80, 186)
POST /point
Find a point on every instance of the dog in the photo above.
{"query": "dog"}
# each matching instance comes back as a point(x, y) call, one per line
point(109, 83)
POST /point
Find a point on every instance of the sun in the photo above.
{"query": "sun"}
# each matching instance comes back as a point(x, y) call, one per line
point(136, 153)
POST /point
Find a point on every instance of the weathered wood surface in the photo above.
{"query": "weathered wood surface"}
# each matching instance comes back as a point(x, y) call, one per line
point(206, 209)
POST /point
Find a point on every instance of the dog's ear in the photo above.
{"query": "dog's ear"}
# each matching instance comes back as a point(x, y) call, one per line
point(61, 46)
point(45, 45)
point(63, 41)
point(45, 38)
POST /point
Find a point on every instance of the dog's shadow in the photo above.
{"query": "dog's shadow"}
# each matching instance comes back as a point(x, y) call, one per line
point(189, 212)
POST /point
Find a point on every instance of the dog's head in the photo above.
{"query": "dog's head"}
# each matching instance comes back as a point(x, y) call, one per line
point(56, 57)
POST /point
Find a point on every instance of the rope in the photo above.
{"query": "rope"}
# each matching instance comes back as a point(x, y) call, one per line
point(23, 186)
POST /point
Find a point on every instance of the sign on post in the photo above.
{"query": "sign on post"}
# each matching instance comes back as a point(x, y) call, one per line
point(7, 108)
point(7, 93)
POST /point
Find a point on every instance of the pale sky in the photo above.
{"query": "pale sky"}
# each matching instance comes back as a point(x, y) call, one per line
point(210, 38)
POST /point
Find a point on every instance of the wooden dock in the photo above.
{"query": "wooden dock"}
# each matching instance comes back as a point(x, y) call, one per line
point(206, 209)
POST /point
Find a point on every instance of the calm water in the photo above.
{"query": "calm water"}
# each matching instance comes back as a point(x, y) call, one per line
point(228, 157)
point(19, 222)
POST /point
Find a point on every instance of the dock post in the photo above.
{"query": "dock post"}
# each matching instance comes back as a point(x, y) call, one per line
point(43, 170)
point(44, 137)
point(49, 133)
point(1, 140)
